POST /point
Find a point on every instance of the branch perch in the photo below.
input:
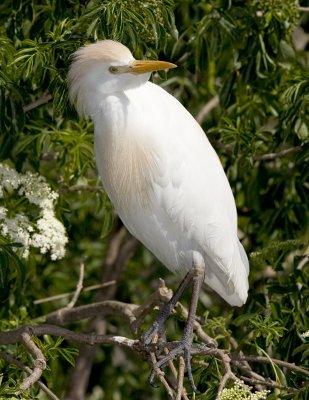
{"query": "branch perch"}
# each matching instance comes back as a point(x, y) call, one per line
point(134, 315)
point(39, 360)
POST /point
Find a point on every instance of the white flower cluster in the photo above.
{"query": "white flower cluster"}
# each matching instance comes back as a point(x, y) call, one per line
point(240, 391)
point(45, 233)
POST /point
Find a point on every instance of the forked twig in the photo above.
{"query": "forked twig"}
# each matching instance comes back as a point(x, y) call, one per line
point(39, 361)
point(11, 360)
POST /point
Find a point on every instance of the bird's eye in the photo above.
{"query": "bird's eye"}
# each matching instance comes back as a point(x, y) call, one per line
point(113, 70)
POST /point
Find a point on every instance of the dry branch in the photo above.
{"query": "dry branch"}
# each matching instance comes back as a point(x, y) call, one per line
point(231, 362)
point(66, 294)
point(181, 373)
point(268, 360)
point(273, 156)
point(39, 361)
point(103, 308)
point(11, 360)
point(205, 110)
point(37, 103)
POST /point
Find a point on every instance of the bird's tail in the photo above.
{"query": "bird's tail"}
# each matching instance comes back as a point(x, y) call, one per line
point(231, 282)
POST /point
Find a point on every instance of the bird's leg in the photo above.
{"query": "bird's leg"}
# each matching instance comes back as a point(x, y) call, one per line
point(196, 275)
point(197, 280)
point(158, 327)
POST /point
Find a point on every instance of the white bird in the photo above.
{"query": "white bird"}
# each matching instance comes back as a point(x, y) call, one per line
point(161, 173)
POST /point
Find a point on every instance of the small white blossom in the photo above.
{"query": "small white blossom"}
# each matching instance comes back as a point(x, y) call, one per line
point(3, 211)
point(240, 391)
point(47, 233)
point(305, 335)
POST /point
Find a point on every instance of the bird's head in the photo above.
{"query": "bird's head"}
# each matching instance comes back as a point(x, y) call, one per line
point(104, 68)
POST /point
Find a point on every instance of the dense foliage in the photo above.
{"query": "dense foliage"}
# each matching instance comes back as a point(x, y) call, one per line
point(250, 58)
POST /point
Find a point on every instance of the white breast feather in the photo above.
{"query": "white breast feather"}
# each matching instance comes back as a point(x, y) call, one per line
point(129, 170)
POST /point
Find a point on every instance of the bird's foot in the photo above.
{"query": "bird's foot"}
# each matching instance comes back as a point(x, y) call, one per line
point(176, 349)
point(155, 334)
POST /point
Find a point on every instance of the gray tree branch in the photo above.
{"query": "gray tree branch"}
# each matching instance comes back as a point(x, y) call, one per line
point(235, 359)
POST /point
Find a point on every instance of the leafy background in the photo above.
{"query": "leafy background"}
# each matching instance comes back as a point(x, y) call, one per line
point(250, 55)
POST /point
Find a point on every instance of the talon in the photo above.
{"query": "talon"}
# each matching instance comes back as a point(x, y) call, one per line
point(180, 348)
point(156, 329)
point(187, 358)
point(150, 334)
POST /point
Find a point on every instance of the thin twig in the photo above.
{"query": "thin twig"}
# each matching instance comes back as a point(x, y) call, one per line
point(260, 157)
point(181, 373)
point(183, 57)
point(103, 308)
point(304, 9)
point(266, 360)
point(23, 334)
point(37, 103)
point(205, 110)
point(39, 361)
point(160, 374)
point(229, 375)
point(79, 286)
point(200, 363)
point(282, 153)
point(244, 365)
point(267, 383)
point(66, 294)
point(11, 360)
point(303, 262)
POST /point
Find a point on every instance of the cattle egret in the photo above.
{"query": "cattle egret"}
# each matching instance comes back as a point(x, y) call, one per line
point(163, 177)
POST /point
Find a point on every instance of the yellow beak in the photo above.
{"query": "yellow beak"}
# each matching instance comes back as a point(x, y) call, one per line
point(144, 66)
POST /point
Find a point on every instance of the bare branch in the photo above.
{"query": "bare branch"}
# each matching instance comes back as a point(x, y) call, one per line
point(134, 314)
point(268, 360)
point(66, 294)
point(228, 375)
point(11, 360)
point(260, 157)
point(39, 361)
point(267, 382)
point(273, 156)
point(37, 103)
point(181, 372)
point(205, 110)
point(79, 286)
point(103, 308)
point(23, 335)
point(244, 365)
